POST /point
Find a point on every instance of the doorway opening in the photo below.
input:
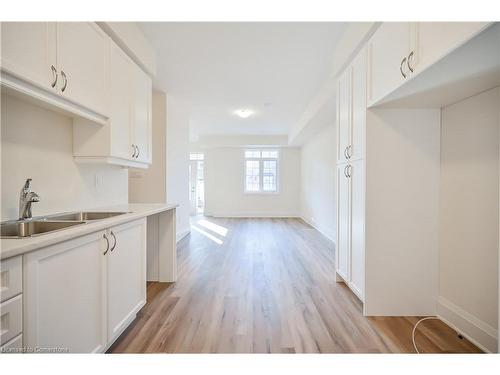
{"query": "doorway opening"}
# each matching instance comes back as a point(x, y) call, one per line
point(196, 183)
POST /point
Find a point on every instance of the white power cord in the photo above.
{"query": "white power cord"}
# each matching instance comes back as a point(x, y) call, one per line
point(415, 329)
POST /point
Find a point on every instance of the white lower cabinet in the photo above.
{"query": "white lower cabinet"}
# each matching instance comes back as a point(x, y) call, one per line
point(13, 346)
point(11, 321)
point(126, 271)
point(65, 300)
point(343, 225)
point(357, 223)
point(350, 225)
point(79, 295)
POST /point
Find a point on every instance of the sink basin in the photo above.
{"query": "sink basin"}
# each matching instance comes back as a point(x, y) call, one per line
point(33, 228)
point(85, 216)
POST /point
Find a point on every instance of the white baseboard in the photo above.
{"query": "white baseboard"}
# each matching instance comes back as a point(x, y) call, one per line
point(325, 233)
point(253, 215)
point(475, 330)
point(181, 234)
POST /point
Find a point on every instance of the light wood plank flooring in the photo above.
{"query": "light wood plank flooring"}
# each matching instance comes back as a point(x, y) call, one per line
point(266, 286)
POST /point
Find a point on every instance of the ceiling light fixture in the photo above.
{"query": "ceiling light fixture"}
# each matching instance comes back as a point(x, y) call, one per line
point(243, 113)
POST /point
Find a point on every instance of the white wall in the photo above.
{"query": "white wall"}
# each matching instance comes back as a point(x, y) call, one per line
point(131, 39)
point(224, 189)
point(38, 143)
point(167, 179)
point(402, 212)
point(468, 267)
point(150, 185)
point(178, 161)
point(318, 182)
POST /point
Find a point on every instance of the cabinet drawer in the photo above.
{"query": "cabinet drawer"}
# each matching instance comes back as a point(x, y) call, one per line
point(11, 318)
point(11, 278)
point(13, 346)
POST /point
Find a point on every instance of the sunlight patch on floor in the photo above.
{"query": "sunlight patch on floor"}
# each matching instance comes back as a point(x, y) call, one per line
point(220, 230)
point(208, 235)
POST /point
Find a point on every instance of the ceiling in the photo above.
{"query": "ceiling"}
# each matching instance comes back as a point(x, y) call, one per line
point(273, 69)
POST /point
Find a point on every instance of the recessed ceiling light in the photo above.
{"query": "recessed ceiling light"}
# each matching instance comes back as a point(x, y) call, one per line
point(243, 113)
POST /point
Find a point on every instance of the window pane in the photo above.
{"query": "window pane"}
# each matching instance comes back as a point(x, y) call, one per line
point(252, 175)
point(273, 154)
point(252, 154)
point(196, 156)
point(269, 175)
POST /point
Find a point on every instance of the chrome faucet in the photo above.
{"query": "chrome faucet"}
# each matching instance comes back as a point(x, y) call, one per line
point(26, 198)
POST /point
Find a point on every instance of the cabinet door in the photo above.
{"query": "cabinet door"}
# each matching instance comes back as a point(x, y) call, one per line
point(82, 53)
point(451, 35)
point(121, 106)
point(343, 225)
point(343, 115)
point(358, 130)
point(388, 47)
point(64, 296)
point(126, 275)
point(29, 51)
point(357, 260)
point(142, 115)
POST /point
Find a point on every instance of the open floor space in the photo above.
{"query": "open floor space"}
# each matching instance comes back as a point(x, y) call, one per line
point(267, 286)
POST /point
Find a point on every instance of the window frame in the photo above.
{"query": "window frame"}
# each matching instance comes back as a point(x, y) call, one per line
point(261, 171)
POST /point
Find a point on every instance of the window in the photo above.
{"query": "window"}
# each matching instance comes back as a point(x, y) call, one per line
point(196, 156)
point(261, 171)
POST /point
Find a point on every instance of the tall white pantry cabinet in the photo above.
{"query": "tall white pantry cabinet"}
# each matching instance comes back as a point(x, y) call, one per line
point(389, 102)
point(351, 131)
point(387, 189)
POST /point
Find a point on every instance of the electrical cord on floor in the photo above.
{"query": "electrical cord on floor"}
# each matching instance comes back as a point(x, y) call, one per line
point(415, 329)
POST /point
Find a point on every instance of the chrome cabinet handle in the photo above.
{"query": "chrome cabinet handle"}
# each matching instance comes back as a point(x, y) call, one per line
point(133, 148)
point(349, 168)
point(345, 152)
point(114, 245)
point(345, 171)
point(54, 74)
point(410, 58)
point(349, 151)
point(401, 67)
point(138, 151)
point(107, 242)
point(65, 81)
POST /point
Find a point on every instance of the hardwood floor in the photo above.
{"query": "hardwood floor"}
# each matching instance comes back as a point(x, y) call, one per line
point(267, 286)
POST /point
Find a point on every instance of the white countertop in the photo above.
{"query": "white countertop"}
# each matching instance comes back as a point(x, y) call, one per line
point(16, 246)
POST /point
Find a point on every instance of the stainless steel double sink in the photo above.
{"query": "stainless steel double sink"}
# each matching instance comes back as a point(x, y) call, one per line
point(48, 224)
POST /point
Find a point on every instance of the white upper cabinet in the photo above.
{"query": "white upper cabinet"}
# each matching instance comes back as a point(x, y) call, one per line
point(388, 53)
point(344, 116)
point(29, 51)
point(66, 59)
point(82, 51)
point(142, 126)
point(400, 51)
point(436, 39)
point(358, 97)
point(126, 139)
point(121, 109)
point(351, 110)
